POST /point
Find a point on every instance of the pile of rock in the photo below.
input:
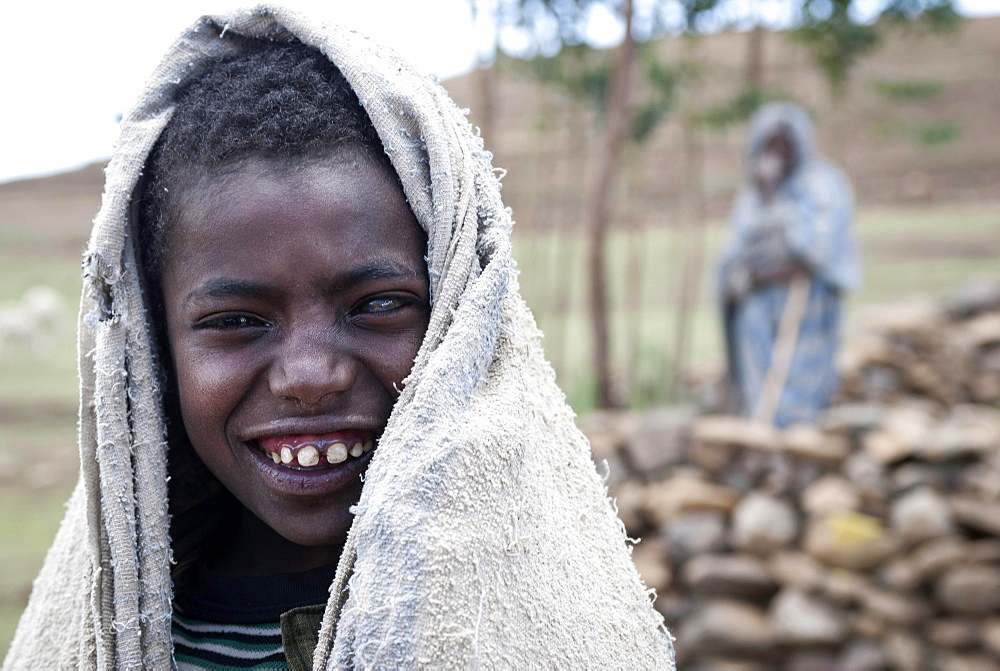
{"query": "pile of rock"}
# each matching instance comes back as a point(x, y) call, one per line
point(948, 352)
point(868, 541)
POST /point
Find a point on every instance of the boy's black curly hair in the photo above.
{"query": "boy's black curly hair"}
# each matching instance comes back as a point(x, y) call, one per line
point(281, 102)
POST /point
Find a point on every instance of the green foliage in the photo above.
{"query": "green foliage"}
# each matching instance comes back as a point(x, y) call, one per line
point(736, 110)
point(662, 81)
point(837, 38)
point(937, 133)
point(558, 27)
point(651, 387)
point(579, 70)
point(933, 15)
point(909, 91)
point(886, 129)
point(926, 134)
point(695, 10)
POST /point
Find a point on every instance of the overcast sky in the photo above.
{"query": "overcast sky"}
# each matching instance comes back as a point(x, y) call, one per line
point(70, 68)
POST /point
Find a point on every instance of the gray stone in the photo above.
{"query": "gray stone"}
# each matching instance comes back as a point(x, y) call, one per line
point(736, 576)
point(850, 540)
point(897, 609)
point(973, 590)
point(829, 494)
point(986, 551)
point(763, 524)
point(726, 627)
point(901, 574)
point(920, 515)
point(798, 570)
point(713, 663)
point(686, 492)
point(695, 534)
point(811, 660)
point(661, 439)
point(903, 435)
point(608, 430)
point(863, 655)
point(932, 558)
point(867, 625)
point(954, 661)
point(846, 588)
point(989, 634)
point(954, 633)
point(800, 619)
point(905, 650)
point(967, 430)
point(733, 431)
point(713, 459)
point(972, 298)
point(979, 478)
point(867, 474)
point(650, 559)
point(976, 513)
point(851, 418)
point(630, 497)
point(911, 475)
point(879, 382)
point(806, 441)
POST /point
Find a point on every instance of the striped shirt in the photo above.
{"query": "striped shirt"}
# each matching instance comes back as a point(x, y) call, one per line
point(207, 645)
point(222, 622)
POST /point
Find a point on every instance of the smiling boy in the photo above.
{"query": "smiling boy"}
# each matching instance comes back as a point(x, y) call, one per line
point(294, 296)
point(295, 302)
point(311, 390)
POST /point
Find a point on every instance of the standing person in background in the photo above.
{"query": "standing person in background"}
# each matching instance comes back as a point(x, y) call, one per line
point(791, 256)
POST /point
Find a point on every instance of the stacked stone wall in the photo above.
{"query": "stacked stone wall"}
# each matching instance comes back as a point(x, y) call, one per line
point(870, 540)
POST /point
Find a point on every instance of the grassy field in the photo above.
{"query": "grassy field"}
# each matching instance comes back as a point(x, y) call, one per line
point(907, 253)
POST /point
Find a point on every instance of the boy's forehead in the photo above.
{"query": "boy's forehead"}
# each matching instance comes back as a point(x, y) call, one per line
point(262, 193)
point(246, 183)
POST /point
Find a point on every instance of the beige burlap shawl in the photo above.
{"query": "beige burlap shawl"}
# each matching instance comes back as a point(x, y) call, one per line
point(483, 537)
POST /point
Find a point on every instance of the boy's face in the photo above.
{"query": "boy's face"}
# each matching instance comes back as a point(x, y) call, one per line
point(295, 303)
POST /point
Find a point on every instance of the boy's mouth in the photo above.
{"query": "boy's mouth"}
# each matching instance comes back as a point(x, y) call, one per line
point(316, 451)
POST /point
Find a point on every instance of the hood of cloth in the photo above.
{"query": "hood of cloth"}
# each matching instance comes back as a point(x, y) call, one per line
point(814, 203)
point(768, 120)
point(483, 533)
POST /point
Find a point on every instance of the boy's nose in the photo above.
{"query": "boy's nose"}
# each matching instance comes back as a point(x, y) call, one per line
point(310, 371)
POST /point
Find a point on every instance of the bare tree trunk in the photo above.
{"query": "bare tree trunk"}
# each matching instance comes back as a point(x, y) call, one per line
point(754, 74)
point(486, 103)
point(573, 150)
point(694, 251)
point(596, 216)
point(634, 281)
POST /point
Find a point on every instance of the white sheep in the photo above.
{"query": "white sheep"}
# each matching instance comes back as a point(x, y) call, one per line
point(33, 323)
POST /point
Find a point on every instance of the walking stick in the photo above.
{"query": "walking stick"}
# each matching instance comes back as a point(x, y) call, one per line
point(784, 348)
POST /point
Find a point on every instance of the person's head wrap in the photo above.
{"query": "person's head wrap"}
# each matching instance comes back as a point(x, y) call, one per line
point(483, 536)
point(772, 118)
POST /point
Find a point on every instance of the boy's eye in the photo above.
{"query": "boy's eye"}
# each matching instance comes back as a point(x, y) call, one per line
point(230, 322)
point(382, 304)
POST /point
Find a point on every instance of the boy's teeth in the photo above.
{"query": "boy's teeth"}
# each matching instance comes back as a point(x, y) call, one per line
point(336, 453)
point(311, 454)
point(308, 456)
